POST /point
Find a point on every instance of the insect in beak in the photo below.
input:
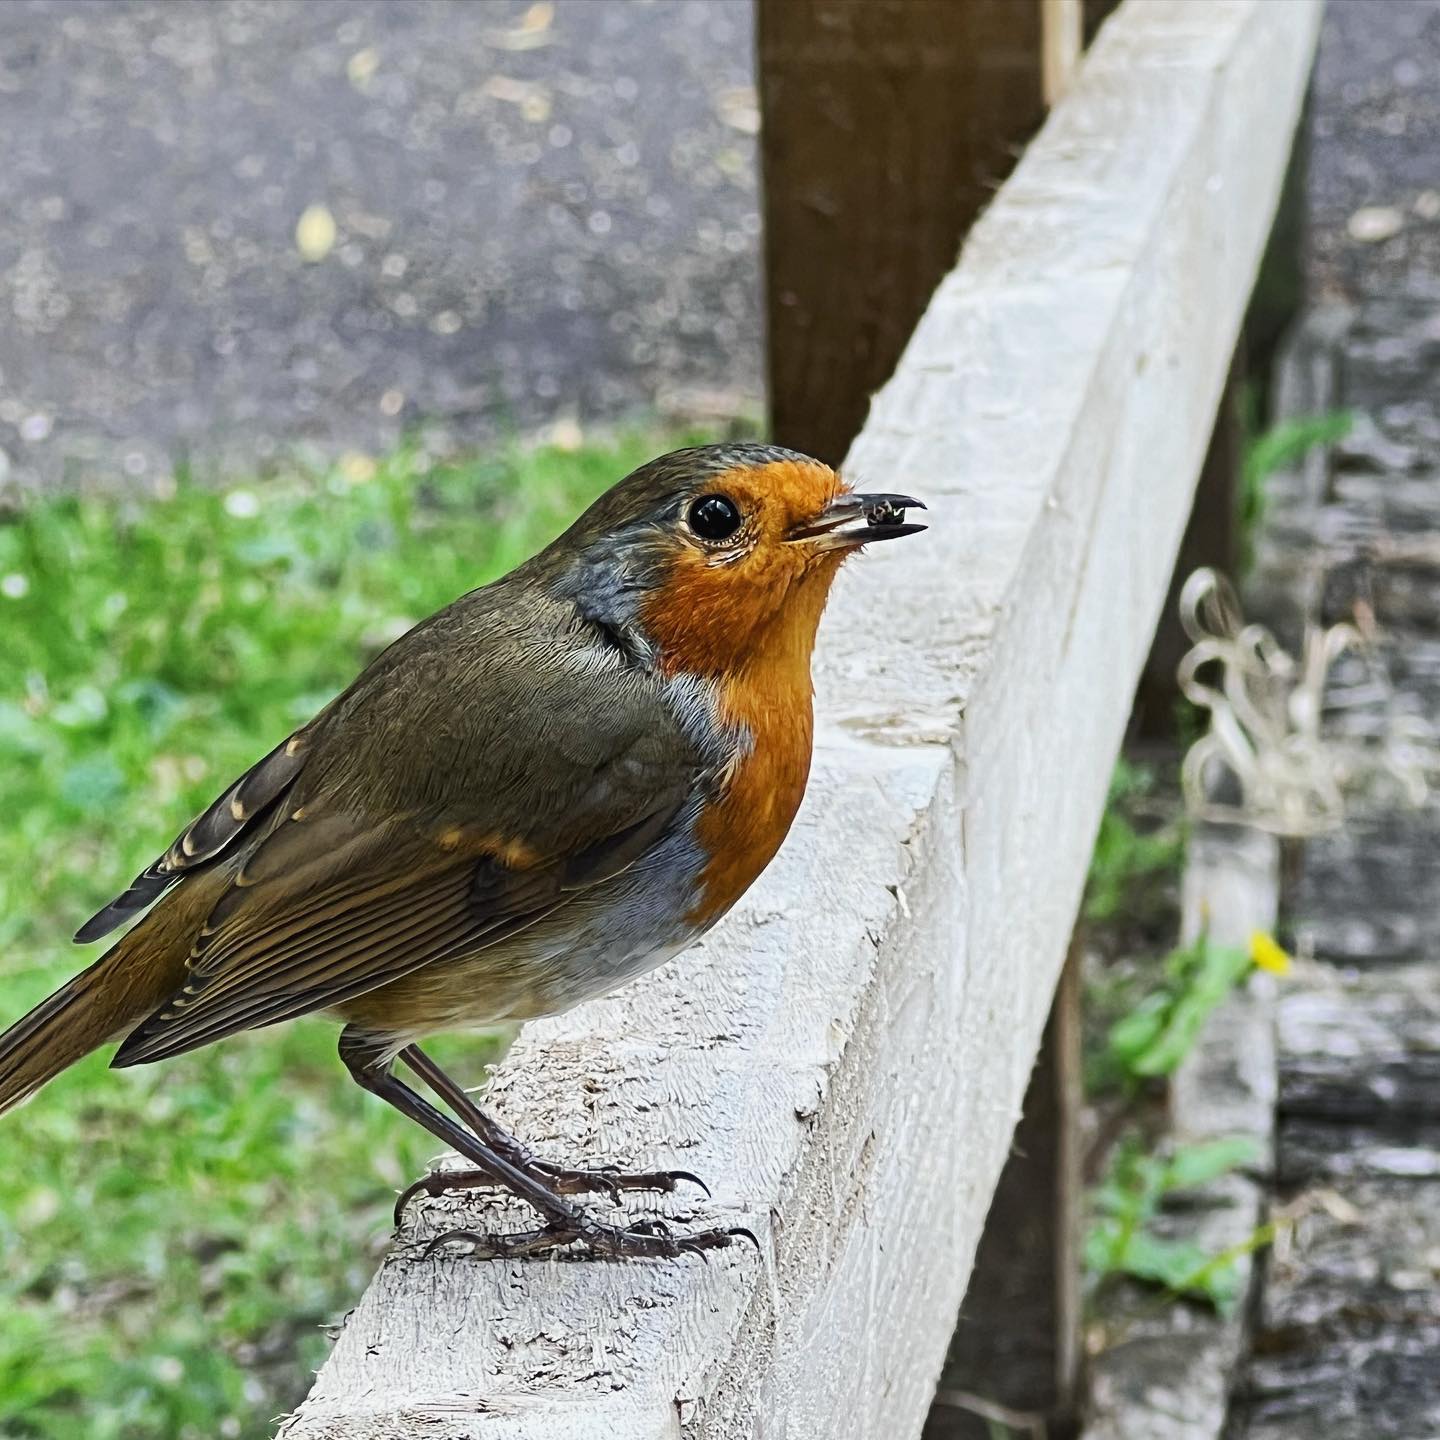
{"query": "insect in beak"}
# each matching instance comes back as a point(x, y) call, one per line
point(850, 520)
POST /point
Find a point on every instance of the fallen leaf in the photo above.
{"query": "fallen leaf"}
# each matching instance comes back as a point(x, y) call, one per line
point(361, 66)
point(315, 233)
point(531, 33)
point(1373, 223)
point(533, 100)
point(739, 108)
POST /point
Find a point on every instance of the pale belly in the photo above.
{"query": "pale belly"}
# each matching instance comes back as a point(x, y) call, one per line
point(592, 945)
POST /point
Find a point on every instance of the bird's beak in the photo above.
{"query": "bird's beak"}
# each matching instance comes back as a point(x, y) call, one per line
point(850, 520)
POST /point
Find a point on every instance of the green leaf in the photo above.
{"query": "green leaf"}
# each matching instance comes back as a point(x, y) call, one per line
point(1122, 1241)
point(1194, 1165)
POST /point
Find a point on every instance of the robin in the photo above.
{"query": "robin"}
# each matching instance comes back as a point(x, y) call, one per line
point(550, 786)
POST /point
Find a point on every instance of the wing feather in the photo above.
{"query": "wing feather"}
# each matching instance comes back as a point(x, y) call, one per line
point(289, 947)
point(248, 801)
point(413, 822)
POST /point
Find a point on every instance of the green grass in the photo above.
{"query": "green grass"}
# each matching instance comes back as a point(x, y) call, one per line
point(1266, 452)
point(1130, 866)
point(172, 1238)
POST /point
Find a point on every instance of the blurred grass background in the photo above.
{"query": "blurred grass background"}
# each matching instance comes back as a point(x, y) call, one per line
point(172, 1238)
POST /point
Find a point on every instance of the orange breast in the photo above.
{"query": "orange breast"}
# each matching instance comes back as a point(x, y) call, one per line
point(741, 832)
point(749, 625)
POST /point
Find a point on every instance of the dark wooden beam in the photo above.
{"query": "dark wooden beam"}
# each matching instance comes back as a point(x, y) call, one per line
point(1212, 537)
point(1014, 1359)
point(887, 126)
point(1095, 12)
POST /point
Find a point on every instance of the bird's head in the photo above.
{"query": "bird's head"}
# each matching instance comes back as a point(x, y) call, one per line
point(713, 556)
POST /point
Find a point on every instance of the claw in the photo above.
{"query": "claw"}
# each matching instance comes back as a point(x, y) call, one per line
point(501, 1247)
point(449, 1237)
point(402, 1201)
point(613, 1181)
point(646, 1239)
point(692, 1178)
point(438, 1182)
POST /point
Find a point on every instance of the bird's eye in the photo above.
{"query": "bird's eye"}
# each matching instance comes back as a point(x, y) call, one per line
point(714, 517)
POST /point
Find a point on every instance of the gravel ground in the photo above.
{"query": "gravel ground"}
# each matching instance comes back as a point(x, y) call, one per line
point(524, 211)
point(513, 212)
point(1375, 151)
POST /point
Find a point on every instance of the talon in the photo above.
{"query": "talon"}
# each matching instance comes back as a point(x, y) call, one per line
point(692, 1178)
point(471, 1237)
point(402, 1201)
point(439, 1182)
point(612, 1181)
point(506, 1247)
point(648, 1238)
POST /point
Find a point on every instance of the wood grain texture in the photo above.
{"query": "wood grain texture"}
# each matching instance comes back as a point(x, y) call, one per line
point(844, 1059)
point(888, 126)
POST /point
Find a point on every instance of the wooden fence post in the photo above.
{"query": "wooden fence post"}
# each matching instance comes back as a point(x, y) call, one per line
point(944, 95)
point(887, 127)
point(1214, 534)
point(1014, 1359)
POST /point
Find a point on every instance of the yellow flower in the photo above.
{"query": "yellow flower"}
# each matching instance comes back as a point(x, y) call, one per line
point(1267, 954)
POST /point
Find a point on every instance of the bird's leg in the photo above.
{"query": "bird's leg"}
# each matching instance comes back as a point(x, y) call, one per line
point(560, 1178)
point(565, 1222)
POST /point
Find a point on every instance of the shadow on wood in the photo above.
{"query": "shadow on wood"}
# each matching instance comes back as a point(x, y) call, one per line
point(1014, 1357)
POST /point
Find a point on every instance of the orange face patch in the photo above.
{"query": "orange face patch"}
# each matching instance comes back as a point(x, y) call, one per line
point(731, 607)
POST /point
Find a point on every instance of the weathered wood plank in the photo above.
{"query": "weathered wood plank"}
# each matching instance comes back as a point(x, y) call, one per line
point(1362, 1052)
point(845, 1060)
point(1212, 537)
point(1349, 1324)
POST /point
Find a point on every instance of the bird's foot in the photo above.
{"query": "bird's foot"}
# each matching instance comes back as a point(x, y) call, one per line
point(559, 1178)
point(610, 1181)
point(645, 1240)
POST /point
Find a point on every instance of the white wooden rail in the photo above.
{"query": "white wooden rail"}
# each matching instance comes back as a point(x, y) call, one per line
point(844, 1059)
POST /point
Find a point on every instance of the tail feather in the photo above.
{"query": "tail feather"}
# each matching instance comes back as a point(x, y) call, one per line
point(100, 1004)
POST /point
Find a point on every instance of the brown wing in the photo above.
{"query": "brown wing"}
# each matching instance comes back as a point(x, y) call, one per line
point(246, 804)
point(495, 760)
point(321, 912)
